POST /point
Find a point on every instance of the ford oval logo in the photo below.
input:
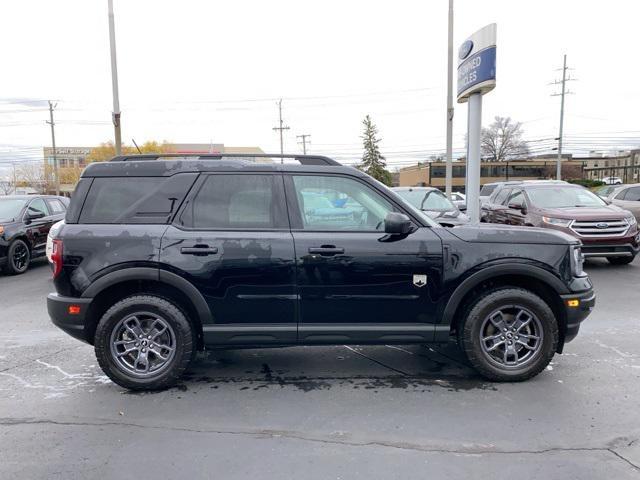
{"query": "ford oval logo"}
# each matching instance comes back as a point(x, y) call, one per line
point(465, 49)
point(602, 225)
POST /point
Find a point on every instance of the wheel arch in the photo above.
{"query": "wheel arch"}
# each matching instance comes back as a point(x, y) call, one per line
point(136, 280)
point(532, 278)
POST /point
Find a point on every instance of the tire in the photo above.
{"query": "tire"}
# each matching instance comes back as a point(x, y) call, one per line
point(519, 363)
point(620, 260)
point(166, 329)
point(18, 258)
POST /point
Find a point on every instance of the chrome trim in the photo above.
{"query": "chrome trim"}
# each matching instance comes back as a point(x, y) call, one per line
point(589, 228)
point(607, 254)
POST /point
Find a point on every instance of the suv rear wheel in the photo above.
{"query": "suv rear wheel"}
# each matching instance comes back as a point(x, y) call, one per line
point(144, 342)
point(509, 334)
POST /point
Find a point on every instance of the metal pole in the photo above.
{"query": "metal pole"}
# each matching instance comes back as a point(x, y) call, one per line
point(449, 165)
point(56, 173)
point(281, 128)
point(559, 160)
point(304, 137)
point(473, 159)
point(114, 81)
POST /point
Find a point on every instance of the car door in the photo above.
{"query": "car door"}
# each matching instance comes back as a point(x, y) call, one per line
point(37, 228)
point(497, 209)
point(516, 207)
point(629, 199)
point(231, 240)
point(355, 283)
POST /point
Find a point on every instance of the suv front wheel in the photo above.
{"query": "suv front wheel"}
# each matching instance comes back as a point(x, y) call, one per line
point(510, 334)
point(144, 342)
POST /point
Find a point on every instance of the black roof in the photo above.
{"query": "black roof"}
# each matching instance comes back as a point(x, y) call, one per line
point(163, 164)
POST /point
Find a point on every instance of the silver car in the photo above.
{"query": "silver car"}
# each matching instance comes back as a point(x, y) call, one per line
point(434, 203)
point(627, 197)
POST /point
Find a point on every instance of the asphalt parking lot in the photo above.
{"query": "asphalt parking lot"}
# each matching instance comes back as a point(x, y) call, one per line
point(315, 412)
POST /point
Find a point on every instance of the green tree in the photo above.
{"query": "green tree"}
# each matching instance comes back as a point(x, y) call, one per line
point(373, 163)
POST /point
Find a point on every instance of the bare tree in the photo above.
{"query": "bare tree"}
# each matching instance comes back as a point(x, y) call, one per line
point(503, 141)
point(6, 186)
point(32, 175)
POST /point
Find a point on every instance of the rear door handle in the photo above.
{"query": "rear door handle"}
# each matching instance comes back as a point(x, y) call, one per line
point(199, 250)
point(326, 250)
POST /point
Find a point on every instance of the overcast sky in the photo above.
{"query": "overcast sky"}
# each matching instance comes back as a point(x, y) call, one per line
point(201, 71)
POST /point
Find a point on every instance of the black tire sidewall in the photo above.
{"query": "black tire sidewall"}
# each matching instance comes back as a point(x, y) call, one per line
point(10, 268)
point(185, 342)
point(488, 303)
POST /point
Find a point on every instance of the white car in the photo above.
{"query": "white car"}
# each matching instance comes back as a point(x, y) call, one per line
point(612, 180)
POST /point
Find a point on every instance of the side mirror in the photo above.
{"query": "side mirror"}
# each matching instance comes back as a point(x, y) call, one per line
point(518, 206)
point(35, 215)
point(462, 207)
point(607, 201)
point(397, 224)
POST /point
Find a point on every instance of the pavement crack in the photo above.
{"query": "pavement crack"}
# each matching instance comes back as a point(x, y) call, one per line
point(376, 361)
point(35, 360)
point(293, 435)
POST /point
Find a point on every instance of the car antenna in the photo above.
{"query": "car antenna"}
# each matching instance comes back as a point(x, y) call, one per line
point(137, 147)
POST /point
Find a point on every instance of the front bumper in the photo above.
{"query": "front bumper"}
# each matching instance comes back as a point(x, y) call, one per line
point(73, 324)
point(583, 304)
point(591, 250)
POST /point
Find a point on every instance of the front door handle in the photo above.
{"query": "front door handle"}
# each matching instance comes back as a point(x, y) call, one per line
point(327, 250)
point(200, 250)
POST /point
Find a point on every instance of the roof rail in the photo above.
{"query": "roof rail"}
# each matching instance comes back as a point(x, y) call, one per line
point(303, 159)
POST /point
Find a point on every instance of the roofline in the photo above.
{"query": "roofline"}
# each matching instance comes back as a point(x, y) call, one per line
point(303, 159)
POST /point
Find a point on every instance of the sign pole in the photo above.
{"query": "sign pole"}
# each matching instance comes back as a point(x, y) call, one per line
point(473, 160)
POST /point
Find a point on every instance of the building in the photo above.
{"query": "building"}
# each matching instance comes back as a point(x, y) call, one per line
point(433, 173)
point(625, 165)
point(67, 156)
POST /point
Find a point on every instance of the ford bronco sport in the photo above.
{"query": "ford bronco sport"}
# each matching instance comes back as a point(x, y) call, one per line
point(160, 256)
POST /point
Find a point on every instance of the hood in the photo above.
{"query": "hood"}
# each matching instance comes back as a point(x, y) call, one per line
point(5, 221)
point(605, 212)
point(492, 233)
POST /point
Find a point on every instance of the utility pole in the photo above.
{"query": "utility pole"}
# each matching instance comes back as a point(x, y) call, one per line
point(56, 172)
point(281, 128)
point(304, 137)
point(562, 94)
point(449, 159)
point(114, 81)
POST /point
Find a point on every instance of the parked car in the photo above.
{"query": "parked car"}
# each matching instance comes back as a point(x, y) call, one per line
point(627, 197)
point(488, 204)
point(159, 257)
point(434, 203)
point(612, 180)
point(25, 221)
point(605, 190)
point(459, 200)
point(605, 230)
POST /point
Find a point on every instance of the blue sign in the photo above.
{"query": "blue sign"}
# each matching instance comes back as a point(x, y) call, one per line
point(465, 49)
point(477, 69)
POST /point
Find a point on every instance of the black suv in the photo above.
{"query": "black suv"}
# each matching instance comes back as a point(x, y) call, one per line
point(161, 256)
point(25, 221)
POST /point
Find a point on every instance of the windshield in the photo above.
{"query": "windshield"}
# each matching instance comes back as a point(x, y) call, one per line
point(563, 197)
point(427, 200)
point(10, 207)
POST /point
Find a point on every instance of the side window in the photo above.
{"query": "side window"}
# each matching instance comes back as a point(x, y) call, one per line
point(621, 195)
point(501, 196)
point(516, 198)
point(633, 194)
point(56, 206)
point(332, 203)
point(487, 190)
point(237, 202)
point(38, 206)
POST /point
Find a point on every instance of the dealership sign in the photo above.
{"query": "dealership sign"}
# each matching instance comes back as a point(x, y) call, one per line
point(477, 63)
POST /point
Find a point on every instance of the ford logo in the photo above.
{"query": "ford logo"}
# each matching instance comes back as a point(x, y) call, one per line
point(602, 225)
point(465, 49)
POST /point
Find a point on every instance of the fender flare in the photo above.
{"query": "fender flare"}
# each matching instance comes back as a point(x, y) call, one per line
point(475, 279)
point(156, 275)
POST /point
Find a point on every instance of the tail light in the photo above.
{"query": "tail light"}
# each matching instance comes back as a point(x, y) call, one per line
point(56, 257)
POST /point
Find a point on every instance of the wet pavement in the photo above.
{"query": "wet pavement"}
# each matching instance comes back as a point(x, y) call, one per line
point(322, 412)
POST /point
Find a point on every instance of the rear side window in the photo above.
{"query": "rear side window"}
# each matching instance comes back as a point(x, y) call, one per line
point(633, 194)
point(237, 202)
point(147, 200)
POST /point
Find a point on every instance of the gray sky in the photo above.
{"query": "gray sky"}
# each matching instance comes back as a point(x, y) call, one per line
point(200, 71)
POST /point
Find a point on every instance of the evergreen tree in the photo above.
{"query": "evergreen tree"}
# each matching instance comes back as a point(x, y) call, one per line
point(373, 163)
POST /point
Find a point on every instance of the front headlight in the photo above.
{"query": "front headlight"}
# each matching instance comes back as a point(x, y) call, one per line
point(631, 220)
point(577, 261)
point(560, 222)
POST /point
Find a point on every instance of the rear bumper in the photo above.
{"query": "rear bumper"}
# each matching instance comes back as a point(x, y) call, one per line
point(575, 315)
point(74, 325)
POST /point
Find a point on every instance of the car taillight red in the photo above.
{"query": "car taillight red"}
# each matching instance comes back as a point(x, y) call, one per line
point(56, 257)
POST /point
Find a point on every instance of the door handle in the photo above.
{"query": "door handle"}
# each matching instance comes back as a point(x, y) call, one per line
point(201, 250)
point(326, 250)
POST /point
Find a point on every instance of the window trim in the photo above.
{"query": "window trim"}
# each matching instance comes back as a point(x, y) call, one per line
point(293, 208)
point(279, 196)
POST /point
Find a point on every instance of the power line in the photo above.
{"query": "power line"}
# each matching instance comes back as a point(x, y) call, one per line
point(53, 142)
point(562, 94)
point(281, 128)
